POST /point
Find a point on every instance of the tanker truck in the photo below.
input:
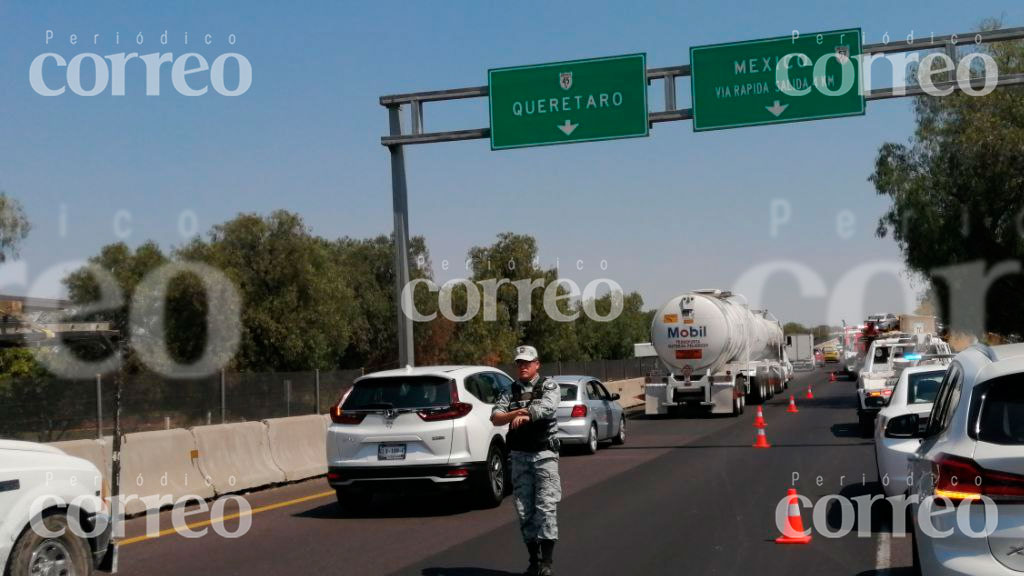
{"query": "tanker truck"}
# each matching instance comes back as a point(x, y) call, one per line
point(717, 354)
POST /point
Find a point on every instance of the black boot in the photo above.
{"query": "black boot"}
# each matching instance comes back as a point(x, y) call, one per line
point(547, 548)
point(534, 548)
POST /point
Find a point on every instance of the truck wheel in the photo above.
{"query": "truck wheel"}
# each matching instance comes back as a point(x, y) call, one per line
point(35, 554)
point(755, 393)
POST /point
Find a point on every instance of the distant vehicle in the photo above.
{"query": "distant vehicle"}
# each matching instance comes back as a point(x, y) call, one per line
point(972, 446)
point(878, 376)
point(800, 351)
point(588, 413)
point(831, 354)
point(914, 394)
point(429, 426)
point(885, 322)
point(718, 354)
point(29, 471)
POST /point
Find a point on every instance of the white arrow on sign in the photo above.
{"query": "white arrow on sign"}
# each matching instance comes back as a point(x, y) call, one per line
point(777, 109)
point(568, 127)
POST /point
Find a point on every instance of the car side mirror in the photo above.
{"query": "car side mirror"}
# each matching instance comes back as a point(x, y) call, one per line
point(615, 396)
point(905, 426)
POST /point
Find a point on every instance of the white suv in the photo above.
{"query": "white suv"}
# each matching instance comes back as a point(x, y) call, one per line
point(54, 517)
point(973, 446)
point(429, 425)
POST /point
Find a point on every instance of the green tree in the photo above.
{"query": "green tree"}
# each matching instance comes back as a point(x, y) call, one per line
point(794, 328)
point(957, 188)
point(615, 338)
point(14, 227)
point(297, 304)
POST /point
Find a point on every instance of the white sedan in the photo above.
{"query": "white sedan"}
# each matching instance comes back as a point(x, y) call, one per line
point(914, 393)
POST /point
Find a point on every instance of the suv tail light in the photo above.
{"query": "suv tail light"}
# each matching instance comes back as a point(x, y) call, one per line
point(339, 416)
point(453, 412)
point(579, 411)
point(959, 478)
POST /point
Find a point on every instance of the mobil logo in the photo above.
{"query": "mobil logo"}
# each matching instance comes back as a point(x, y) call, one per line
point(687, 331)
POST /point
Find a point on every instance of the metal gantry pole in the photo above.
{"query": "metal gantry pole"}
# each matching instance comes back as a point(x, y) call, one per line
point(99, 407)
point(399, 196)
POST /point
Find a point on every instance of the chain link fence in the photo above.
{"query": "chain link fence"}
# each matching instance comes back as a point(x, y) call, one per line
point(53, 409)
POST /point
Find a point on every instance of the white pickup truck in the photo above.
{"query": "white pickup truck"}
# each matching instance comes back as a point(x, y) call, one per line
point(54, 518)
point(879, 375)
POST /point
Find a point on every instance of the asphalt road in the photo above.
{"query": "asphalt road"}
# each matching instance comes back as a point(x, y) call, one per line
point(684, 495)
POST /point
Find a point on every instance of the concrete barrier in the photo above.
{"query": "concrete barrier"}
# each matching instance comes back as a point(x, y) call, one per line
point(95, 451)
point(158, 468)
point(299, 445)
point(236, 457)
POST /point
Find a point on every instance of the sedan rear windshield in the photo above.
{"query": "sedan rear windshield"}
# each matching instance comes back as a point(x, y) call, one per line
point(1002, 412)
point(568, 392)
point(924, 386)
point(399, 393)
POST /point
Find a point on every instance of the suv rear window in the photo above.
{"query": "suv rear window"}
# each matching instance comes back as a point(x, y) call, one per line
point(923, 387)
point(1002, 412)
point(399, 393)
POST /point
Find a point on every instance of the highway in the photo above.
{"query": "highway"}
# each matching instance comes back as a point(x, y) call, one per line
point(684, 495)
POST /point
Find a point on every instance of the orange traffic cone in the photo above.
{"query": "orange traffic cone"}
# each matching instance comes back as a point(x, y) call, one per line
point(762, 440)
point(792, 405)
point(759, 421)
point(794, 531)
point(831, 376)
point(810, 395)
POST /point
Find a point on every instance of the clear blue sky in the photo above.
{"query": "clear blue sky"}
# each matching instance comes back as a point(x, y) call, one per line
point(674, 211)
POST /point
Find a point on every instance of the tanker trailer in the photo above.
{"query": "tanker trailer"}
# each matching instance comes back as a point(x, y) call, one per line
point(717, 353)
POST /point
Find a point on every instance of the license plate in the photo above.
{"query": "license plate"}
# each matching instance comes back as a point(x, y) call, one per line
point(391, 452)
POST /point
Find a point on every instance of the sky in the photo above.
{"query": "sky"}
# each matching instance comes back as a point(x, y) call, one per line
point(660, 215)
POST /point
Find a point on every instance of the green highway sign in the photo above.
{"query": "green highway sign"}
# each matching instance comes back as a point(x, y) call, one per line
point(776, 80)
point(575, 101)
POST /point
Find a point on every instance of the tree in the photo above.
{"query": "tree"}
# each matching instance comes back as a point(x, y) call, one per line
point(297, 304)
point(957, 189)
point(615, 338)
point(794, 328)
point(14, 227)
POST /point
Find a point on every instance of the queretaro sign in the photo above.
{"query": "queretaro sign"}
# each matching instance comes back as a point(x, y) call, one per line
point(563, 102)
point(776, 80)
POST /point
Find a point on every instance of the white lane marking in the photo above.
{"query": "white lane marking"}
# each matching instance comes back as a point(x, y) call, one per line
point(882, 560)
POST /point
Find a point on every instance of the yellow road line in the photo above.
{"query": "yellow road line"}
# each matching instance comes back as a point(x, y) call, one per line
point(193, 525)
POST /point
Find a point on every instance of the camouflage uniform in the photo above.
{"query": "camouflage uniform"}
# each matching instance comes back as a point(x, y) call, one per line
point(537, 487)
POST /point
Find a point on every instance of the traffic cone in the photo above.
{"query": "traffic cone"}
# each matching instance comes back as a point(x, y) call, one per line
point(794, 531)
point(831, 376)
point(810, 395)
point(762, 440)
point(759, 421)
point(792, 405)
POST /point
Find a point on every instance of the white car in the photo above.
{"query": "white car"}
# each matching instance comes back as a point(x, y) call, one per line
point(64, 494)
point(426, 426)
point(914, 393)
point(973, 446)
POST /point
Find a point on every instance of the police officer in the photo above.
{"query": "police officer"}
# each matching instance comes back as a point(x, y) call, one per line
point(529, 408)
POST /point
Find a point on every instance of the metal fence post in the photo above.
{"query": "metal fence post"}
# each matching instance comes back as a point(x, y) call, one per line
point(287, 397)
point(316, 375)
point(99, 406)
point(223, 404)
